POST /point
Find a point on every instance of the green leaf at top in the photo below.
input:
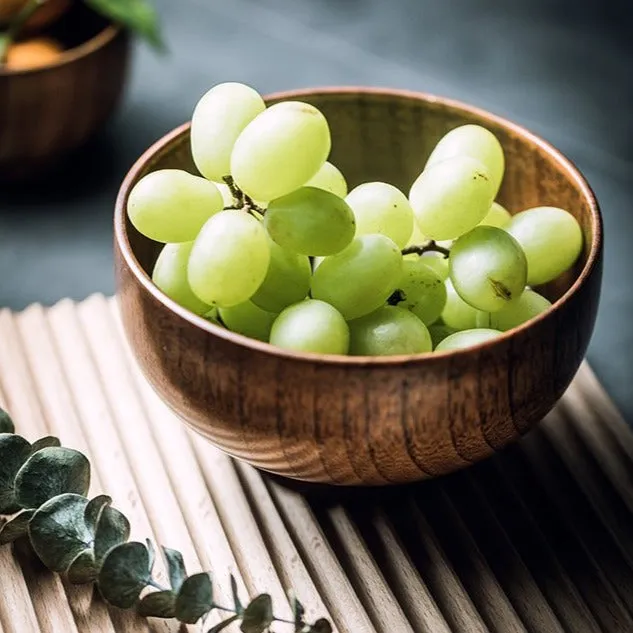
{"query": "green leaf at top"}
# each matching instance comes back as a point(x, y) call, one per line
point(14, 451)
point(176, 567)
point(258, 615)
point(137, 15)
point(44, 442)
point(124, 574)
point(50, 472)
point(158, 604)
point(195, 598)
point(15, 528)
point(6, 423)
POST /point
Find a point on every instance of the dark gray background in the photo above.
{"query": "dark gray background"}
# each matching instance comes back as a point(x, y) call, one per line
point(563, 68)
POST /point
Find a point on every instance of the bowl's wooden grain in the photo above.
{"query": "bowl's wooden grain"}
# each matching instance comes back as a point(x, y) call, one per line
point(352, 420)
point(49, 111)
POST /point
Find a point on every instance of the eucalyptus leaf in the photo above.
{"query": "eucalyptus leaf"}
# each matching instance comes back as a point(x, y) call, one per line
point(176, 568)
point(321, 626)
point(58, 531)
point(113, 529)
point(220, 626)
point(14, 451)
point(124, 574)
point(94, 509)
point(151, 550)
point(51, 472)
point(258, 615)
point(45, 442)
point(6, 423)
point(15, 528)
point(83, 569)
point(195, 598)
point(299, 612)
point(158, 604)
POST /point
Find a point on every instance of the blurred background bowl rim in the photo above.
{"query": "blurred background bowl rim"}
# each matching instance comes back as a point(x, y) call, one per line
point(160, 147)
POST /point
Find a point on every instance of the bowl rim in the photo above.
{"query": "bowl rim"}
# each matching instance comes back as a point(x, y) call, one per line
point(158, 148)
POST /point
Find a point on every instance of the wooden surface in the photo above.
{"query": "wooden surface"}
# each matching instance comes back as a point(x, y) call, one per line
point(362, 420)
point(538, 539)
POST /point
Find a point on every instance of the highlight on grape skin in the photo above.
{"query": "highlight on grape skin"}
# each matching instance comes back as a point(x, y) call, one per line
point(265, 240)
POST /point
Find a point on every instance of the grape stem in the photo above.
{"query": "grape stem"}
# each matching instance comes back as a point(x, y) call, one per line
point(427, 247)
point(242, 201)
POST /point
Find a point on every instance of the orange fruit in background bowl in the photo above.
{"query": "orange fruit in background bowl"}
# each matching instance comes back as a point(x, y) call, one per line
point(48, 13)
point(33, 53)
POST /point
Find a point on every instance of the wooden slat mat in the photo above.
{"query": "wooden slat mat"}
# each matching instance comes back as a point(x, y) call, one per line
point(537, 539)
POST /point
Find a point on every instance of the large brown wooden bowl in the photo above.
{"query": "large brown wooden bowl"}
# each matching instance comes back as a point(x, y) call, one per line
point(368, 420)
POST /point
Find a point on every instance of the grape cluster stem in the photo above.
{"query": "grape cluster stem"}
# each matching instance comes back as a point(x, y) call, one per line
point(427, 247)
point(242, 201)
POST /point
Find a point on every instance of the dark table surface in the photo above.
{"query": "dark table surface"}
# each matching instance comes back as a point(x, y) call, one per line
point(563, 68)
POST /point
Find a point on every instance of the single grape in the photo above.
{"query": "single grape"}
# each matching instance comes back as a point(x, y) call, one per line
point(437, 262)
point(170, 275)
point(451, 197)
point(361, 278)
point(287, 280)
point(417, 238)
point(229, 259)
point(311, 326)
point(388, 331)
point(247, 319)
point(474, 141)
point(488, 268)
point(329, 178)
point(225, 192)
point(457, 313)
point(310, 221)
point(497, 216)
point(280, 150)
point(466, 338)
point(381, 208)
point(439, 331)
point(516, 312)
point(171, 205)
point(552, 241)
point(218, 119)
point(423, 289)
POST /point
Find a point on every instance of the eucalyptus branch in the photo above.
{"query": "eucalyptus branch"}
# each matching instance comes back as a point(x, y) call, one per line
point(16, 26)
point(427, 247)
point(43, 489)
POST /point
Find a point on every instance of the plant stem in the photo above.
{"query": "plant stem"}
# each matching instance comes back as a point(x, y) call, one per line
point(242, 201)
point(427, 247)
point(9, 36)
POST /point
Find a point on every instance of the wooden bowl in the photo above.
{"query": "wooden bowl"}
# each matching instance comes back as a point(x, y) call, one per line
point(368, 420)
point(47, 112)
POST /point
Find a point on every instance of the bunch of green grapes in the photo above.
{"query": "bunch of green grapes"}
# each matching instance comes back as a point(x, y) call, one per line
point(267, 241)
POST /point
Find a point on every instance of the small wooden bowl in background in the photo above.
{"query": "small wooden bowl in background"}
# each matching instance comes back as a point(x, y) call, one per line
point(47, 112)
point(368, 420)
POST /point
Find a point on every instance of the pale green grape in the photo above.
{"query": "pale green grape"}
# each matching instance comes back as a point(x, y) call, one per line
point(280, 150)
point(437, 262)
point(417, 238)
point(287, 280)
point(170, 275)
point(213, 317)
point(488, 268)
point(247, 319)
point(229, 259)
point(381, 208)
point(451, 197)
point(361, 278)
point(439, 331)
point(552, 241)
point(310, 221)
point(423, 289)
point(218, 119)
point(171, 205)
point(311, 326)
point(388, 331)
point(467, 338)
point(227, 196)
point(497, 216)
point(474, 141)
point(457, 313)
point(316, 262)
point(516, 312)
point(329, 178)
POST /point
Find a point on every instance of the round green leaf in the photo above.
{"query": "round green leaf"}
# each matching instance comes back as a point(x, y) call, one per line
point(124, 574)
point(44, 442)
point(14, 451)
point(176, 568)
point(83, 569)
point(158, 604)
point(15, 528)
point(94, 509)
point(195, 598)
point(258, 615)
point(321, 626)
point(50, 472)
point(6, 423)
point(113, 529)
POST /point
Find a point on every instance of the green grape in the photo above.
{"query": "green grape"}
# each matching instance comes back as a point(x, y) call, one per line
point(280, 150)
point(316, 262)
point(439, 331)
point(218, 119)
point(437, 262)
point(229, 259)
point(466, 338)
point(417, 237)
point(170, 205)
point(329, 178)
point(225, 192)
point(247, 319)
point(170, 275)
point(361, 278)
point(287, 280)
point(311, 326)
point(381, 208)
point(423, 289)
point(488, 268)
point(474, 141)
point(516, 312)
point(388, 331)
point(310, 221)
point(213, 317)
point(451, 197)
point(552, 241)
point(457, 313)
point(497, 216)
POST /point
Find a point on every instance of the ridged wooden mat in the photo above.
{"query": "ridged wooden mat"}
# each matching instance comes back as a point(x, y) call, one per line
point(537, 539)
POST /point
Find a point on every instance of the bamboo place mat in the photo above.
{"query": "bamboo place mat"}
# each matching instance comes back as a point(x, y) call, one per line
point(536, 539)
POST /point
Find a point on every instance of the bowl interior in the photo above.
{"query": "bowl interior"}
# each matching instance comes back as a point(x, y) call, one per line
point(388, 136)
